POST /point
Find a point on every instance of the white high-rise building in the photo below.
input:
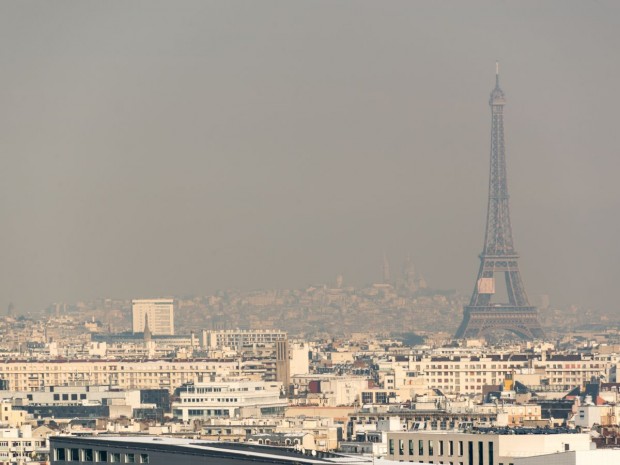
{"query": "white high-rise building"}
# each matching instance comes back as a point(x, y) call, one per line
point(160, 313)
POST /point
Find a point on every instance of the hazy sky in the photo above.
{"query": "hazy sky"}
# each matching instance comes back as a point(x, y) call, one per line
point(154, 148)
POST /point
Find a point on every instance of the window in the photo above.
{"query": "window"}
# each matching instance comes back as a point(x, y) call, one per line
point(490, 452)
point(480, 453)
point(450, 448)
point(74, 455)
point(460, 448)
point(411, 447)
point(420, 447)
point(391, 447)
point(60, 455)
point(115, 457)
point(101, 456)
point(144, 458)
point(87, 455)
point(440, 447)
point(65, 397)
point(430, 447)
point(74, 397)
point(130, 458)
point(56, 396)
point(470, 452)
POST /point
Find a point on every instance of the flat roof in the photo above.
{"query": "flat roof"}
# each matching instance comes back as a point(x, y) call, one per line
point(215, 448)
point(499, 431)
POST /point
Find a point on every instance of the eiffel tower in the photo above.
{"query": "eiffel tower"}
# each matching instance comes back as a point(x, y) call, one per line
point(482, 316)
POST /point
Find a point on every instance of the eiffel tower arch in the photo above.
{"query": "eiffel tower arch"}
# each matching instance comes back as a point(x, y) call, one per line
point(498, 256)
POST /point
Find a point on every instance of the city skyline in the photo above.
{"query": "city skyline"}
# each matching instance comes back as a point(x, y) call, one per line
point(180, 151)
point(240, 231)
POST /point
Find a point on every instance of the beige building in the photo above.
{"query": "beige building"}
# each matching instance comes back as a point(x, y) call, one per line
point(9, 417)
point(323, 430)
point(329, 390)
point(159, 312)
point(467, 374)
point(122, 374)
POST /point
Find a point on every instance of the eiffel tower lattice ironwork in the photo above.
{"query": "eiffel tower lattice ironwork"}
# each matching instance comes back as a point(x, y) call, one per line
point(482, 316)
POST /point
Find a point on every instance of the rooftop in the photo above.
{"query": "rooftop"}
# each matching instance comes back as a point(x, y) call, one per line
point(215, 449)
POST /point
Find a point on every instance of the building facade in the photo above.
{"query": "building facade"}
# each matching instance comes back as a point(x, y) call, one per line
point(229, 399)
point(499, 447)
point(158, 312)
point(24, 375)
point(468, 374)
point(239, 339)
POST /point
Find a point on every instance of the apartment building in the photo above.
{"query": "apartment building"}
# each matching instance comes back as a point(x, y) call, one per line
point(25, 375)
point(159, 313)
point(23, 444)
point(9, 417)
point(458, 374)
point(238, 339)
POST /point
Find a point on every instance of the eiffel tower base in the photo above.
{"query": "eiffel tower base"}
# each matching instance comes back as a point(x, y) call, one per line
point(479, 321)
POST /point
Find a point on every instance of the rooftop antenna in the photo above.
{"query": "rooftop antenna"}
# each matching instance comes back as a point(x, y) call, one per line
point(496, 73)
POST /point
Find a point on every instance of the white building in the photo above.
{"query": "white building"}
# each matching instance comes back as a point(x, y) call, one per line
point(160, 314)
point(589, 415)
point(21, 445)
point(299, 364)
point(574, 457)
point(238, 339)
point(480, 448)
point(232, 399)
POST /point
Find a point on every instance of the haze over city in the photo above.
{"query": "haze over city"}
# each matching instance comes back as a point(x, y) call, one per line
point(164, 148)
point(310, 232)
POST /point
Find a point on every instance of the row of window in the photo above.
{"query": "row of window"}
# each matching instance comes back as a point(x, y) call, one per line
point(209, 413)
point(196, 399)
point(433, 446)
point(91, 455)
point(22, 443)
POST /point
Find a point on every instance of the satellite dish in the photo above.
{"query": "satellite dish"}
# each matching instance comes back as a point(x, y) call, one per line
point(314, 453)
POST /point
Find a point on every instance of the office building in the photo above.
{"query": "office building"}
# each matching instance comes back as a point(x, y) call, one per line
point(482, 447)
point(163, 451)
point(231, 399)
